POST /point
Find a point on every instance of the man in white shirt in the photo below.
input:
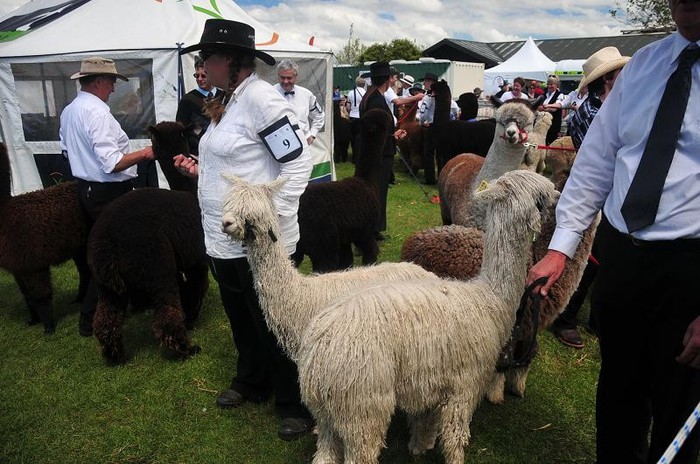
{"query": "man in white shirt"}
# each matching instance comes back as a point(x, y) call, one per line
point(649, 250)
point(354, 99)
point(98, 151)
point(309, 113)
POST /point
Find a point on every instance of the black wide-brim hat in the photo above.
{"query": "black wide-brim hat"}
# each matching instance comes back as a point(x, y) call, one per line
point(224, 34)
point(380, 69)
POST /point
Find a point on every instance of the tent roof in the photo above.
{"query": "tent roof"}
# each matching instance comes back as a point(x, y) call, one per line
point(529, 58)
point(43, 27)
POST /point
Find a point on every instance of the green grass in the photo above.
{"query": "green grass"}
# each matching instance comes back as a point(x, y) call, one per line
point(60, 403)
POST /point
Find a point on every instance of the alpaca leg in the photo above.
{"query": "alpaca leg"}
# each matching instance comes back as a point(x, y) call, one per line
point(369, 248)
point(329, 449)
point(169, 327)
point(365, 441)
point(192, 291)
point(345, 257)
point(516, 379)
point(107, 325)
point(495, 388)
point(36, 289)
point(424, 432)
point(455, 418)
point(81, 265)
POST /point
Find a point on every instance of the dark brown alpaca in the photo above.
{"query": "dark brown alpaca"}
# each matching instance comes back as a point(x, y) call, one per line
point(38, 230)
point(335, 215)
point(149, 245)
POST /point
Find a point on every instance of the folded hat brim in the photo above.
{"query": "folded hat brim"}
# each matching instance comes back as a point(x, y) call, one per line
point(603, 69)
point(265, 57)
point(78, 75)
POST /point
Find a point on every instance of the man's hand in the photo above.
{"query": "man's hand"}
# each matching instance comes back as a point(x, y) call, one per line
point(310, 139)
point(691, 342)
point(551, 266)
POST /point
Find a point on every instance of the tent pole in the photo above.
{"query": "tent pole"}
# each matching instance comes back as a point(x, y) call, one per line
point(180, 77)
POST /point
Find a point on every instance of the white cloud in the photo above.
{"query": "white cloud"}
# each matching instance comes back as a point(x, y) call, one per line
point(429, 21)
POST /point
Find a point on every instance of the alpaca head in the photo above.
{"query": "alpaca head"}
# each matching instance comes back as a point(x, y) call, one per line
point(249, 214)
point(169, 138)
point(520, 197)
point(441, 89)
point(543, 121)
point(515, 119)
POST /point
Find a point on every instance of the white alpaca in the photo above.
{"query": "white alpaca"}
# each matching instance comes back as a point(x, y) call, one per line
point(428, 347)
point(289, 299)
point(535, 157)
point(515, 120)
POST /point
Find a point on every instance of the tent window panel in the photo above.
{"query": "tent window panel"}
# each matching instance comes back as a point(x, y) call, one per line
point(45, 89)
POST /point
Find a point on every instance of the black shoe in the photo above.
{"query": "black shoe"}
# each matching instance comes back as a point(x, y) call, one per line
point(85, 326)
point(569, 337)
point(292, 428)
point(230, 399)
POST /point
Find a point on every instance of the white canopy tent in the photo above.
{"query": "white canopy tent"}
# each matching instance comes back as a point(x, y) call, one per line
point(43, 41)
point(528, 62)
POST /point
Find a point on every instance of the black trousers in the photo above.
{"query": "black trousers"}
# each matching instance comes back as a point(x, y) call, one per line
point(647, 296)
point(262, 367)
point(387, 168)
point(94, 198)
point(428, 155)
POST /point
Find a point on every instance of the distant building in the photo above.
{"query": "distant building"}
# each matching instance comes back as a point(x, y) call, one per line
point(495, 53)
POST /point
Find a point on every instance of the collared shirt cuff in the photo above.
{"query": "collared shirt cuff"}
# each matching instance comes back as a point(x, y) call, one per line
point(564, 241)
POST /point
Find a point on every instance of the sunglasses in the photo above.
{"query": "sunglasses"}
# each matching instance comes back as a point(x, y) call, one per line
point(197, 76)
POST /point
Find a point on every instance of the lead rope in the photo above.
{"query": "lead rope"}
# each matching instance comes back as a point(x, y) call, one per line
point(507, 359)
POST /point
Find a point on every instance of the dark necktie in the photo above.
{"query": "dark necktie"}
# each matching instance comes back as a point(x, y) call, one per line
point(210, 96)
point(642, 200)
point(291, 92)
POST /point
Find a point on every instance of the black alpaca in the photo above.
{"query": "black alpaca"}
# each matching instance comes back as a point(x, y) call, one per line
point(148, 245)
point(38, 230)
point(335, 215)
point(455, 137)
point(341, 135)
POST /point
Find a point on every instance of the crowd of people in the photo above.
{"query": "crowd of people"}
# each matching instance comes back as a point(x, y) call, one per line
point(631, 164)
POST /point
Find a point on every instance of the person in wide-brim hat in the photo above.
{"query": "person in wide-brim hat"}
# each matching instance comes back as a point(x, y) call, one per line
point(224, 34)
point(429, 76)
point(602, 62)
point(98, 66)
point(379, 69)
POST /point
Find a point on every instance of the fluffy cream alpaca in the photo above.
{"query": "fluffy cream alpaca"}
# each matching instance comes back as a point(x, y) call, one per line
point(426, 346)
point(535, 158)
point(289, 299)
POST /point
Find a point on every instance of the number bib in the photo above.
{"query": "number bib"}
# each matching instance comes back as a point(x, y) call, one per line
point(281, 140)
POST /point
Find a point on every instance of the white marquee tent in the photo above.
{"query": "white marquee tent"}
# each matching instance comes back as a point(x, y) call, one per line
point(43, 41)
point(528, 62)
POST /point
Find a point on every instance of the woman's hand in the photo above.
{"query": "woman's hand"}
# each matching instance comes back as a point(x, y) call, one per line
point(400, 134)
point(186, 166)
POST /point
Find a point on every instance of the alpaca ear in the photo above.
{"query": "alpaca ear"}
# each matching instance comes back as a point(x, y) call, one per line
point(536, 102)
point(277, 184)
point(235, 180)
point(495, 101)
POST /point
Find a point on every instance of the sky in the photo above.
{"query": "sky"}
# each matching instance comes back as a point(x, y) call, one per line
point(425, 21)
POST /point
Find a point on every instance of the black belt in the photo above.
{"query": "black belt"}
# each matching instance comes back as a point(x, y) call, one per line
point(689, 244)
point(90, 183)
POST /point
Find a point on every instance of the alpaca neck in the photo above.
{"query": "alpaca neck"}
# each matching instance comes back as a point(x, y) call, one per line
point(442, 108)
point(369, 161)
point(502, 157)
point(506, 257)
point(273, 276)
point(176, 180)
point(5, 177)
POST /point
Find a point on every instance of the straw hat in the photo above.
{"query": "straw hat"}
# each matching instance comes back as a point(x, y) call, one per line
point(602, 62)
point(225, 34)
point(407, 79)
point(98, 66)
